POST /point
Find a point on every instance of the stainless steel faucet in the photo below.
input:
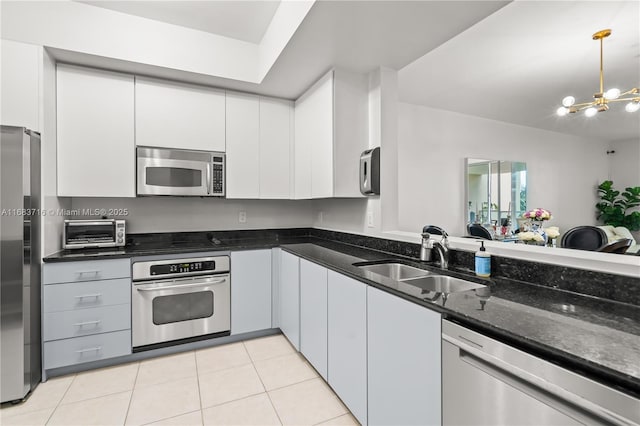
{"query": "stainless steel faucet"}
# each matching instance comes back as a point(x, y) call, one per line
point(429, 245)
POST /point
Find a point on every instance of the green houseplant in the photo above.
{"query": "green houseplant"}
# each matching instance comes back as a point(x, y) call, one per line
point(613, 206)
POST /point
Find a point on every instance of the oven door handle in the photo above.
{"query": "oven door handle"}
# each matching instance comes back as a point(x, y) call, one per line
point(171, 287)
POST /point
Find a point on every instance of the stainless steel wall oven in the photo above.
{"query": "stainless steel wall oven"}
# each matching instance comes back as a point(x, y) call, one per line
point(182, 298)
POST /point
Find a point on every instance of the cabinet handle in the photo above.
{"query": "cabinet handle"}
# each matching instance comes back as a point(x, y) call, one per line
point(94, 272)
point(86, 296)
point(96, 349)
point(81, 324)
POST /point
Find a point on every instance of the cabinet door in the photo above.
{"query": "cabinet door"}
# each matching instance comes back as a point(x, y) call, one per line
point(250, 291)
point(303, 116)
point(313, 315)
point(20, 85)
point(290, 298)
point(243, 146)
point(322, 141)
point(314, 141)
point(175, 115)
point(403, 361)
point(96, 148)
point(347, 342)
point(275, 148)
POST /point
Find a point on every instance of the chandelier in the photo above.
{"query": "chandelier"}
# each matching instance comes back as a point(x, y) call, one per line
point(601, 99)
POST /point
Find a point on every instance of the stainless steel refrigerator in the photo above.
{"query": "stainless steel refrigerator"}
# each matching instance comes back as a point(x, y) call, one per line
point(20, 356)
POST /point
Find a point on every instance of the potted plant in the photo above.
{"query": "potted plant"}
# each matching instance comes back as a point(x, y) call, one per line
point(613, 207)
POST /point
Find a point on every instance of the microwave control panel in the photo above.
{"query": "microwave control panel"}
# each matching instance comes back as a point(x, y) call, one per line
point(218, 175)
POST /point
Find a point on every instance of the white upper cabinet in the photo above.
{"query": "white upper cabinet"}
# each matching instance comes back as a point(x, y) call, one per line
point(331, 131)
point(276, 122)
point(176, 115)
point(258, 146)
point(243, 145)
point(96, 146)
point(20, 85)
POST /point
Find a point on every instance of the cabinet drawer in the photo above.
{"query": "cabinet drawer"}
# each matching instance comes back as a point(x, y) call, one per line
point(82, 322)
point(85, 349)
point(88, 270)
point(88, 294)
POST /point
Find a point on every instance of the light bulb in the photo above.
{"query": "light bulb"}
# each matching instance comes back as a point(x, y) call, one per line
point(590, 112)
point(632, 106)
point(612, 94)
point(568, 101)
point(562, 111)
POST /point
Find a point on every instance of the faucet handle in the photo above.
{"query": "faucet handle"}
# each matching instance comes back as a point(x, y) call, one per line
point(436, 230)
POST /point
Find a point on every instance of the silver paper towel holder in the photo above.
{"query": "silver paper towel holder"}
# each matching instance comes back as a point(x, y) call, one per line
point(370, 172)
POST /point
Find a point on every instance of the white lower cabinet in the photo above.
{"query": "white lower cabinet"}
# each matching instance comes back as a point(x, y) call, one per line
point(347, 342)
point(86, 311)
point(290, 297)
point(250, 291)
point(313, 315)
point(404, 361)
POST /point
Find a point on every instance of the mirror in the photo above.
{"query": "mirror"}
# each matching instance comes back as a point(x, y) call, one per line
point(496, 194)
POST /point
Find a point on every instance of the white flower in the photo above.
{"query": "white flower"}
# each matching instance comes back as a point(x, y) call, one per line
point(552, 232)
point(526, 236)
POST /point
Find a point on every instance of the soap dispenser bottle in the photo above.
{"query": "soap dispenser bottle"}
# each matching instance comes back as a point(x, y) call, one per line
point(483, 262)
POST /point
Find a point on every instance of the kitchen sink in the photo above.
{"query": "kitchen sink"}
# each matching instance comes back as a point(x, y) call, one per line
point(395, 271)
point(443, 284)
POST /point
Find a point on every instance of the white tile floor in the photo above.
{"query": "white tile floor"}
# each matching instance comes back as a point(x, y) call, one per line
point(256, 382)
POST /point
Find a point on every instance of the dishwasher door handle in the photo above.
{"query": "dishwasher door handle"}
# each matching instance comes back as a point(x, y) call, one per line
point(537, 387)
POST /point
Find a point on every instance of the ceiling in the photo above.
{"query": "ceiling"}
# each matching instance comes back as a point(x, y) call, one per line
point(354, 35)
point(243, 20)
point(361, 36)
point(517, 65)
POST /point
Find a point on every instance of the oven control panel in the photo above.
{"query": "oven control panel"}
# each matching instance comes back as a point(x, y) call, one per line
point(173, 268)
point(186, 267)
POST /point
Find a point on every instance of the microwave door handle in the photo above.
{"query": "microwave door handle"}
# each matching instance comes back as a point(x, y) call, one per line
point(209, 184)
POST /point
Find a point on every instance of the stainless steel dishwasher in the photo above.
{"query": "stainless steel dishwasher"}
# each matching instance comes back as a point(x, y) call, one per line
point(486, 382)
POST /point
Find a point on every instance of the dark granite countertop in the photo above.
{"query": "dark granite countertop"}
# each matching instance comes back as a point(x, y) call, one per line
point(178, 243)
point(596, 337)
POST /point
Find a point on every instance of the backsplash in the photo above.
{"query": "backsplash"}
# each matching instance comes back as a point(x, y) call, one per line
point(603, 285)
point(598, 284)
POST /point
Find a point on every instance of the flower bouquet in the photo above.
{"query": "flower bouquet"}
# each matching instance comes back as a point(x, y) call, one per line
point(538, 215)
point(533, 232)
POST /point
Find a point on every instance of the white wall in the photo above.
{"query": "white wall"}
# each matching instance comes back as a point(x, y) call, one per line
point(51, 235)
point(182, 214)
point(88, 29)
point(83, 28)
point(562, 171)
point(624, 163)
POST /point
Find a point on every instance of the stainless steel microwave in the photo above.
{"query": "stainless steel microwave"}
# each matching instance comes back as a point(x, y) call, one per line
point(165, 171)
point(98, 233)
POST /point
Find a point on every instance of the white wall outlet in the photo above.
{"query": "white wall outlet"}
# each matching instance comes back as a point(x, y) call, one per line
point(321, 217)
point(370, 219)
point(242, 216)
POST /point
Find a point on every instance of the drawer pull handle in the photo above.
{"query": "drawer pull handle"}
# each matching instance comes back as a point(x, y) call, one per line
point(94, 272)
point(81, 324)
point(86, 296)
point(96, 349)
